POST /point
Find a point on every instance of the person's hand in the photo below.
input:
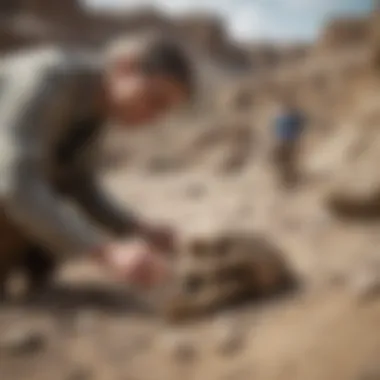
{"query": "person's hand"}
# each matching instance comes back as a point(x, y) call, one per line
point(136, 262)
point(161, 237)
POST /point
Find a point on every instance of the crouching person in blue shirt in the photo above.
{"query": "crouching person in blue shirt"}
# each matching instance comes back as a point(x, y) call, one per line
point(288, 127)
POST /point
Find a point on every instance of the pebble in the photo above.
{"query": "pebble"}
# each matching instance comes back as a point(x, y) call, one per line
point(141, 342)
point(181, 348)
point(195, 191)
point(132, 346)
point(22, 342)
point(161, 165)
point(79, 373)
point(86, 322)
point(230, 337)
point(372, 373)
point(336, 279)
point(366, 284)
point(241, 374)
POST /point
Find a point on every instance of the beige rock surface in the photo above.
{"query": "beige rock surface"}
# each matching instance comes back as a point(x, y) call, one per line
point(88, 327)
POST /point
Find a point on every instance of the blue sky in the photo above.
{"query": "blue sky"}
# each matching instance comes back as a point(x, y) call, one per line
point(262, 19)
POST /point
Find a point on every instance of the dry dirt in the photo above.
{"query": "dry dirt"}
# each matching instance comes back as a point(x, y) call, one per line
point(202, 176)
point(86, 327)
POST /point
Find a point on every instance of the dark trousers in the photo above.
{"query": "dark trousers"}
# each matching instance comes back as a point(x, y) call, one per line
point(19, 252)
point(285, 161)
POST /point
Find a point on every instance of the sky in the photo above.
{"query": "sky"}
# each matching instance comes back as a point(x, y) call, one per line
point(257, 19)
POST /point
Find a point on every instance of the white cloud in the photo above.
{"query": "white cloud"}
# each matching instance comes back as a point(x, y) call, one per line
point(247, 21)
point(312, 4)
point(244, 18)
point(249, 18)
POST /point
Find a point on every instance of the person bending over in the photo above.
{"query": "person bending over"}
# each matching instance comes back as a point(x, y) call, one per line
point(55, 105)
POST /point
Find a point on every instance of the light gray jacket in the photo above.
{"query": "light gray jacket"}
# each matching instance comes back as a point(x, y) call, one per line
point(50, 136)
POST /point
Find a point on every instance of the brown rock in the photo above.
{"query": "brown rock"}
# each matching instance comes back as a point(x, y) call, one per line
point(181, 348)
point(366, 284)
point(230, 338)
point(216, 271)
point(372, 373)
point(343, 33)
point(79, 373)
point(22, 342)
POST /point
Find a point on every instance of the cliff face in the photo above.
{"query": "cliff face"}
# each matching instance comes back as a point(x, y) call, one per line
point(350, 32)
point(26, 22)
point(344, 32)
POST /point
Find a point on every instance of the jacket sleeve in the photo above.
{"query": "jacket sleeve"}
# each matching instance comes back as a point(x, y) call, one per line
point(26, 195)
point(98, 203)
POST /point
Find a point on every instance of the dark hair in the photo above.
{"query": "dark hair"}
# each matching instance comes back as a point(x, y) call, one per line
point(165, 57)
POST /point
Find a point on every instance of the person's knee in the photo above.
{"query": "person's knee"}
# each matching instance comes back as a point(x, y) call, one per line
point(39, 265)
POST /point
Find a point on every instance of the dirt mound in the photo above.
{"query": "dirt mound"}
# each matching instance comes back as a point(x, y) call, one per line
point(218, 271)
point(355, 191)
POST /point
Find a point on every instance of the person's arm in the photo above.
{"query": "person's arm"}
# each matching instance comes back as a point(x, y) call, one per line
point(102, 208)
point(92, 197)
point(26, 195)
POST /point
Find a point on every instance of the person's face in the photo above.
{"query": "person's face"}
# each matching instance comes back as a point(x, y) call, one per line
point(136, 99)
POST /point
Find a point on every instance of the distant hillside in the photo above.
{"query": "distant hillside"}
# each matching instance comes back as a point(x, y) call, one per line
point(26, 22)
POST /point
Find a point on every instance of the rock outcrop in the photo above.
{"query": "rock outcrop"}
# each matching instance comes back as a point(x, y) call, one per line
point(345, 33)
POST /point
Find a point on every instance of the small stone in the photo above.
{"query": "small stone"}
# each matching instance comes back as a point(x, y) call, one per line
point(366, 285)
point(160, 165)
point(182, 349)
point(79, 374)
point(241, 374)
point(244, 210)
point(132, 346)
point(22, 342)
point(371, 374)
point(86, 322)
point(230, 338)
point(141, 342)
point(337, 279)
point(195, 191)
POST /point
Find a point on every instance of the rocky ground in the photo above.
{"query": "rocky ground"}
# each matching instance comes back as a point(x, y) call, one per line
point(211, 170)
point(86, 327)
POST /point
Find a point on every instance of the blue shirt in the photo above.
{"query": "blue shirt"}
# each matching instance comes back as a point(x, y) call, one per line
point(289, 126)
